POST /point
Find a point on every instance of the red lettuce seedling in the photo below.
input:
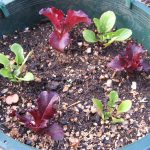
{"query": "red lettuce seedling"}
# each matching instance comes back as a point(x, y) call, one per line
point(39, 119)
point(59, 38)
point(130, 59)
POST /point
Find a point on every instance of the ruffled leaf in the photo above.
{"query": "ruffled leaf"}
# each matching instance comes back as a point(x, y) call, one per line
point(146, 66)
point(59, 38)
point(59, 42)
point(38, 119)
point(46, 104)
point(55, 16)
point(55, 131)
point(116, 64)
point(74, 18)
point(130, 59)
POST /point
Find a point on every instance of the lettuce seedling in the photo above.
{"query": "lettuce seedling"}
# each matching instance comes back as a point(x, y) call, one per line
point(40, 119)
point(13, 69)
point(113, 111)
point(130, 59)
point(59, 38)
point(104, 33)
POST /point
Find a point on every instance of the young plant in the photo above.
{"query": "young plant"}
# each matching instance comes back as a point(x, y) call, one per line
point(113, 111)
point(104, 33)
point(59, 38)
point(130, 59)
point(13, 69)
point(40, 119)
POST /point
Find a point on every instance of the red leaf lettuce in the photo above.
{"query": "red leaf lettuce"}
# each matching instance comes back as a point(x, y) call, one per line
point(39, 119)
point(59, 38)
point(130, 59)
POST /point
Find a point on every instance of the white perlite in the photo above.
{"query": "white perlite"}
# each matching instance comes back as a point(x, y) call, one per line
point(109, 83)
point(89, 50)
point(133, 86)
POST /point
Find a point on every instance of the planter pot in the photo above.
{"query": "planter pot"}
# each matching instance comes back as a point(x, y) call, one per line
point(18, 14)
point(7, 143)
point(142, 144)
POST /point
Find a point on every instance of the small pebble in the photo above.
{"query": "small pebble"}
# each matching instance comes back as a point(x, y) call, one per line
point(67, 134)
point(65, 127)
point(106, 76)
point(109, 83)
point(4, 37)
point(95, 53)
point(86, 111)
point(80, 44)
point(113, 128)
point(80, 90)
point(131, 121)
point(95, 124)
point(99, 134)
point(133, 86)
point(86, 44)
point(37, 79)
point(107, 138)
point(89, 50)
point(14, 132)
point(76, 109)
point(127, 116)
point(93, 110)
point(80, 106)
point(12, 99)
point(26, 29)
point(4, 91)
point(15, 37)
point(29, 104)
point(102, 77)
point(66, 88)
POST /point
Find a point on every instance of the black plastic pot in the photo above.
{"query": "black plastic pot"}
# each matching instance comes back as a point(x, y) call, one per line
point(18, 14)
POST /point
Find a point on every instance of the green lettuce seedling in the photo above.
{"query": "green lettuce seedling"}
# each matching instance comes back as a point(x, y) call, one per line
point(113, 111)
point(13, 69)
point(104, 33)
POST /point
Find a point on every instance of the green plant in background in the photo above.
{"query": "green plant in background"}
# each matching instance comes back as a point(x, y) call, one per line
point(113, 110)
point(13, 69)
point(105, 34)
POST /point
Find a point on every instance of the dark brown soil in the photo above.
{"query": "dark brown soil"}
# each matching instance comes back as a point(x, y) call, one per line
point(77, 76)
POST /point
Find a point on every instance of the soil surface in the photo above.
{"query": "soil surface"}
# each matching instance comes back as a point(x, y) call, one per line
point(78, 76)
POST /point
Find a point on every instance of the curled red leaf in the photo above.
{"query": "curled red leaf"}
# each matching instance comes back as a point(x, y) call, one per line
point(130, 59)
point(55, 131)
point(59, 42)
point(74, 18)
point(59, 38)
point(38, 119)
point(55, 16)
